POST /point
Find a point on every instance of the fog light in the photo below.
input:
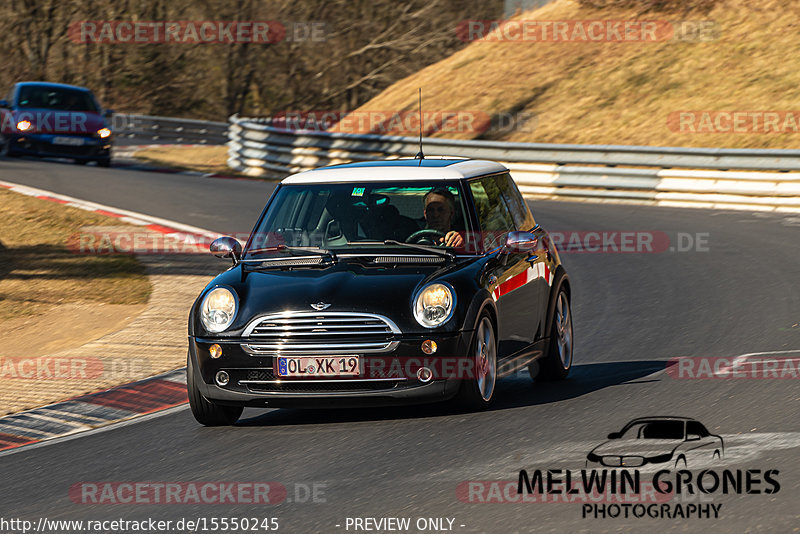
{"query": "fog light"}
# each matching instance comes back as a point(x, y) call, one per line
point(222, 378)
point(215, 351)
point(429, 346)
point(424, 374)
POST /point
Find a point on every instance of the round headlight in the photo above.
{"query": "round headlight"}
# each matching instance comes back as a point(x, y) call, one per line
point(434, 305)
point(218, 309)
point(24, 125)
point(103, 132)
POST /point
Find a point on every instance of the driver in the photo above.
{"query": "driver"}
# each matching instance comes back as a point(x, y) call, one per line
point(440, 210)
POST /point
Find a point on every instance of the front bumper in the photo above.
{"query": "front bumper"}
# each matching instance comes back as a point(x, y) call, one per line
point(387, 378)
point(90, 149)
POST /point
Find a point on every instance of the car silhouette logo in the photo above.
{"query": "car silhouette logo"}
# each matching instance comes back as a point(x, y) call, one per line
point(675, 441)
point(321, 306)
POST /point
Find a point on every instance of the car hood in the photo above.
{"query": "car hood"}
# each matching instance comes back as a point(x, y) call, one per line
point(50, 121)
point(349, 286)
point(637, 447)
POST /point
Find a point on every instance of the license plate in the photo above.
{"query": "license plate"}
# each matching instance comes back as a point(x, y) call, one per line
point(318, 367)
point(71, 141)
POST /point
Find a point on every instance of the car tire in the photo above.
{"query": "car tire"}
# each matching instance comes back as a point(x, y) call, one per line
point(557, 360)
point(206, 412)
point(105, 162)
point(477, 391)
point(81, 161)
point(5, 150)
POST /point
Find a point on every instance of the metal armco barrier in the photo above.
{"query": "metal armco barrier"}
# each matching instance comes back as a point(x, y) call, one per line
point(149, 129)
point(698, 177)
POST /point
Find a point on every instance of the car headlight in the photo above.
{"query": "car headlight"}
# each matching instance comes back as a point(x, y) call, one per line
point(24, 125)
point(660, 459)
point(219, 309)
point(434, 305)
point(103, 133)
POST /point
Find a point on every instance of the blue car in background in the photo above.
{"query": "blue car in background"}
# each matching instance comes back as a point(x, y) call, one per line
point(55, 120)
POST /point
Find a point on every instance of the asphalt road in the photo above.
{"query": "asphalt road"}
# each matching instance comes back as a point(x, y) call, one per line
point(737, 294)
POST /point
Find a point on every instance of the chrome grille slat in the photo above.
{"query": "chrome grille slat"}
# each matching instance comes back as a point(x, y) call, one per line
point(292, 328)
point(334, 333)
point(320, 332)
point(318, 319)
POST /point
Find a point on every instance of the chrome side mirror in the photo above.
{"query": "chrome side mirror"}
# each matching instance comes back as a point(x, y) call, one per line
point(521, 242)
point(226, 247)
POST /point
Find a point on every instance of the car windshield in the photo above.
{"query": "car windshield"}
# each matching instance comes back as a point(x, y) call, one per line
point(352, 215)
point(58, 98)
point(655, 430)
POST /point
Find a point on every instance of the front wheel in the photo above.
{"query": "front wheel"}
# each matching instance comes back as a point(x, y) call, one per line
point(5, 149)
point(477, 391)
point(205, 411)
point(557, 361)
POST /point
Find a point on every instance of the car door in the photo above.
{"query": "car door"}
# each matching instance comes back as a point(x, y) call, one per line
point(510, 273)
point(538, 275)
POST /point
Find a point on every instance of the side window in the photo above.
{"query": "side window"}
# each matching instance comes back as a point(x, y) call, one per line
point(493, 214)
point(523, 220)
point(693, 427)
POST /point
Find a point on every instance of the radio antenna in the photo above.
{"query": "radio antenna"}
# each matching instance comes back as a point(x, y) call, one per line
point(420, 156)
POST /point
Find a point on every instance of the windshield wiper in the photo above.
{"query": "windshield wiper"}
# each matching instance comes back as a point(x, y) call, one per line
point(319, 252)
point(426, 248)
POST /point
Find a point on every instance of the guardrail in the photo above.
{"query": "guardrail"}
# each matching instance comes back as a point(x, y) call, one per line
point(151, 129)
point(698, 177)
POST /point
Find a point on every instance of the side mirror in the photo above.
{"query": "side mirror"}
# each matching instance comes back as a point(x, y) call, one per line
point(107, 113)
point(226, 247)
point(521, 242)
point(692, 437)
point(4, 104)
point(614, 435)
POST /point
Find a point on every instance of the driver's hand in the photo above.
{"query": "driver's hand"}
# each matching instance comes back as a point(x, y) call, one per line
point(452, 239)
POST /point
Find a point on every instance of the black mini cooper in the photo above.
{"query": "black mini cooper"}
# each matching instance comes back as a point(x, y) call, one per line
point(408, 280)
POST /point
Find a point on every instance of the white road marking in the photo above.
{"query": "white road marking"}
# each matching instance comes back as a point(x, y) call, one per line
point(93, 206)
point(111, 426)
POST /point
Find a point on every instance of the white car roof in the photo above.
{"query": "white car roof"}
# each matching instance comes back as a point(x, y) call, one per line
point(430, 168)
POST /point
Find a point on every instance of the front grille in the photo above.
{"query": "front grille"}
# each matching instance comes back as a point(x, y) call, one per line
point(311, 387)
point(265, 381)
point(67, 150)
point(372, 368)
point(320, 333)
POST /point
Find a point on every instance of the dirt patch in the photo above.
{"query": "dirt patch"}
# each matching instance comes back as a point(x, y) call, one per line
point(64, 326)
point(40, 269)
point(205, 159)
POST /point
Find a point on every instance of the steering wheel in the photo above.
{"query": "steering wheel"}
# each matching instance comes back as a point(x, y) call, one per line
point(427, 236)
